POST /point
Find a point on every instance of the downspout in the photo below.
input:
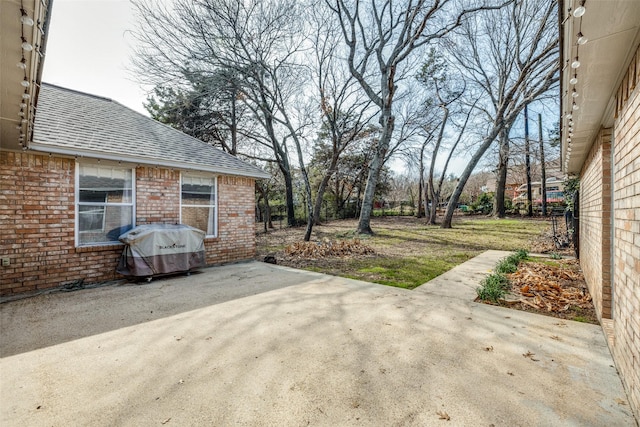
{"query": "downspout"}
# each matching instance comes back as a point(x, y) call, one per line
point(612, 219)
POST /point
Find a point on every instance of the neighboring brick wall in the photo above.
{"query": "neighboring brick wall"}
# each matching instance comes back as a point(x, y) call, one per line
point(37, 214)
point(626, 271)
point(595, 222)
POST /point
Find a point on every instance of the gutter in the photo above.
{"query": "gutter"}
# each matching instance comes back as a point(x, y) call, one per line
point(43, 52)
point(561, 59)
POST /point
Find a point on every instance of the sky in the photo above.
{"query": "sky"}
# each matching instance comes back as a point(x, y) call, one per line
point(89, 49)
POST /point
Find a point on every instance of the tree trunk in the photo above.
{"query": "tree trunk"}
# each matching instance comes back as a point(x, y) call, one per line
point(527, 161)
point(387, 122)
point(288, 187)
point(307, 187)
point(501, 178)
point(453, 201)
point(432, 190)
point(420, 212)
point(234, 125)
point(543, 169)
point(322, 188)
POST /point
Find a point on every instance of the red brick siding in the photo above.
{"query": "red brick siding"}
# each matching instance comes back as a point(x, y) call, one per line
point(157, 195)
point(37, 214)
point(595, 223)
point(38, 226)
point(626, 268)
point(236, 221)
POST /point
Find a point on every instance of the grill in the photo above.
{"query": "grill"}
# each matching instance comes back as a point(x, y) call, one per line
point(157, 249)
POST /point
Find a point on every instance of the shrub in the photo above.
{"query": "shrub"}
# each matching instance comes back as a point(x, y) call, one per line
point(522, 254)
point(507, 265)
point(493, 287)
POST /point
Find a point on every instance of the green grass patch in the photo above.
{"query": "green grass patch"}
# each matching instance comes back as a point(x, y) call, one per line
point(407, 273)
point(546, 261)
point(581, 319)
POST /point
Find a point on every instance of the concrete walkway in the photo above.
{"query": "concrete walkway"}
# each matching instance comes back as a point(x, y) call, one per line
point(313, 350)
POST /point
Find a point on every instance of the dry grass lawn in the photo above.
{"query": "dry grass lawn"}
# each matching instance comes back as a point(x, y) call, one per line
point(406, 251)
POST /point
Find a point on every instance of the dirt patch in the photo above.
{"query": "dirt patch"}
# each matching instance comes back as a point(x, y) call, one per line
point(553, 288)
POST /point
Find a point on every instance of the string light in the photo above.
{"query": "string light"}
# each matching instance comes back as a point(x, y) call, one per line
point(575, 63)
point(26, 20)
point(27, 47)
point(582, 39)
point(574, 80)
point(580, 10)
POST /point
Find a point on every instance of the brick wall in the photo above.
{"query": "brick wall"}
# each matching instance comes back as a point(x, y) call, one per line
point(626, 271)
point(37, 233)
point(37, 215)
point(157, 195)
point(595, 222)
point(236, 221)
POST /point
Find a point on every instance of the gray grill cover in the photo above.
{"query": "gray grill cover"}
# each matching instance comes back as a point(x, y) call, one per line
point(161, 248)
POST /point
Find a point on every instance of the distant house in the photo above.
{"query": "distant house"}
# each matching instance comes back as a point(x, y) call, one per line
point(600, 126)
point(94, 169)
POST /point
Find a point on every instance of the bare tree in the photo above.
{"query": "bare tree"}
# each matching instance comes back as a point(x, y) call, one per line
point(512, 57)
point(380, 38)
point(258, 42)
point(345, 113)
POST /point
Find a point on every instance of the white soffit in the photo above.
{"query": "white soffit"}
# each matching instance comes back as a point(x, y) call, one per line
point(613, 31)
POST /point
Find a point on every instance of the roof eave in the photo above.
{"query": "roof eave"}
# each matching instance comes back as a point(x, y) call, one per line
point(53, 149)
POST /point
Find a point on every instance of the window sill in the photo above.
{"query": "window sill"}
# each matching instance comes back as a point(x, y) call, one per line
point(99, 248)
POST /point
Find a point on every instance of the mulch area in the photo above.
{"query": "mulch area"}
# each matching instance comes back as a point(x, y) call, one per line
point(551, 287)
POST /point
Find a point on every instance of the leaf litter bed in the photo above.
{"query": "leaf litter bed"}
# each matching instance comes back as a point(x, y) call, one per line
point(551, 287)
point(327, 248)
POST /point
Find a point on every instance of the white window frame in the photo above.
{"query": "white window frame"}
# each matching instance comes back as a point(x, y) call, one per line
point(215, 201)
point(104, 164)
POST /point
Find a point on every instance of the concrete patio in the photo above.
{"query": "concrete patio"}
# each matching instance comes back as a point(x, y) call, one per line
point(258, 344)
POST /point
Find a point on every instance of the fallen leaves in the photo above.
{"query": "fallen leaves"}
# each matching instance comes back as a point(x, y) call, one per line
point(550, 286)
point(328, 248)
point(443, 415)
point(530, 355)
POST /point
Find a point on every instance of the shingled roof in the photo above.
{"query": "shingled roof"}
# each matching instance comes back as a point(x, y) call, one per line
point(80, 124)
